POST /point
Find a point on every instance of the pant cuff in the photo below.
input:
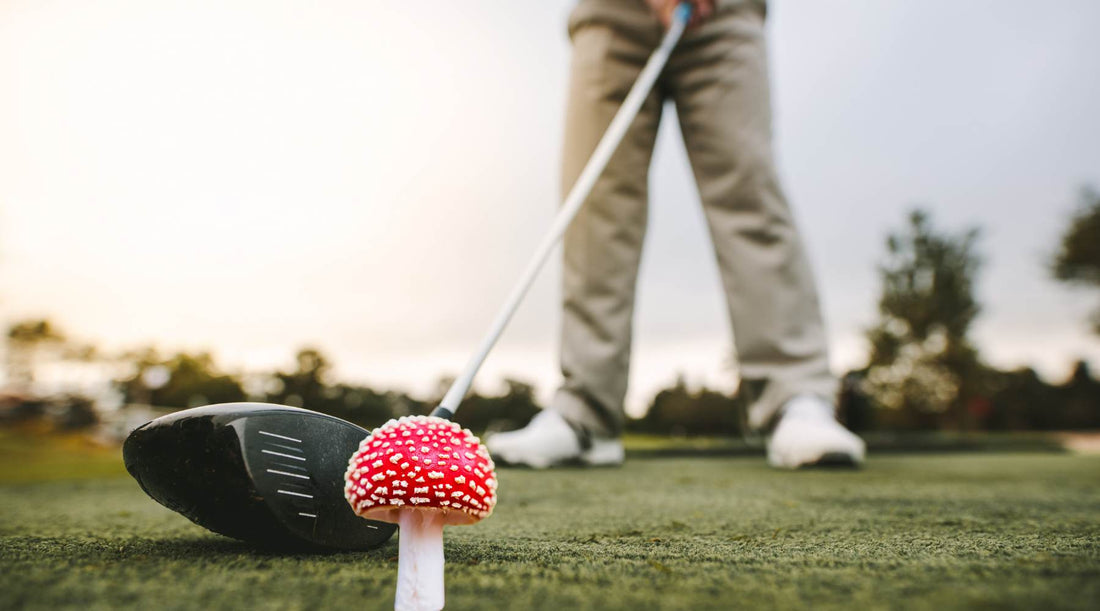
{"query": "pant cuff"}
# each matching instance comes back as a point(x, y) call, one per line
point(580, 414)
point(765, 408)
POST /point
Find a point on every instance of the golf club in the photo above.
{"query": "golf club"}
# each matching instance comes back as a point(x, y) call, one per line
point(572, 204)
point(267, 474)
point(273, 475)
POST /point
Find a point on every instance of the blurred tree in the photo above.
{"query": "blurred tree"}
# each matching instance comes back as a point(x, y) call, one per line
point(308, 386)
point(1078, 257)
point(510, 410)
point(1080, 400)
point(922, 365)
point(305, 386)
point(73, 412)
point(25, 341)
point(1022, 401)
point(366, 407)
point(184, 380)
point(680, 411)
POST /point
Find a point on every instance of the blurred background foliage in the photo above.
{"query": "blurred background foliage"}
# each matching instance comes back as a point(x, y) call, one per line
point(923, 372)
point(1077, 261)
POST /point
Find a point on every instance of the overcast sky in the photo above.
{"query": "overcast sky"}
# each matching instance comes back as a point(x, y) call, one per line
point(250, 176)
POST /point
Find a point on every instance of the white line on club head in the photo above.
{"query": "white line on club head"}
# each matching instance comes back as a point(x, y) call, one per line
point(277, 472)
point(280, 436)
point(283, 455)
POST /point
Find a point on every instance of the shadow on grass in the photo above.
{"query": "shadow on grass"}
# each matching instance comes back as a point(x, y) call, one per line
point(207, 548)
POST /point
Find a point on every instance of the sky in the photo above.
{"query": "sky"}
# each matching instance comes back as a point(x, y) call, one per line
point(252, 176)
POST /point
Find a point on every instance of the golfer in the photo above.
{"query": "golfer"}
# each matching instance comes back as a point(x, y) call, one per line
point(718, 79)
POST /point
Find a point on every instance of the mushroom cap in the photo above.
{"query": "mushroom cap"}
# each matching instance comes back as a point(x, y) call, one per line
point(423, 463)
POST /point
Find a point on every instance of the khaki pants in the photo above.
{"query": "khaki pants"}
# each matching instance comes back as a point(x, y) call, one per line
point(717, 78)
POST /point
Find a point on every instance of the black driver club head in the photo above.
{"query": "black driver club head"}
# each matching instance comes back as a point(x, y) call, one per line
point(267, 474)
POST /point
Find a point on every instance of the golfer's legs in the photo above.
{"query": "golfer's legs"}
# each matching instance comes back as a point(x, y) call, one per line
point(603, 245)
point(718, 79)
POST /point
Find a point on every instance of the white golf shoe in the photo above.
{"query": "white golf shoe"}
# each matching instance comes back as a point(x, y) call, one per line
point(547, 441)
point(809, 435)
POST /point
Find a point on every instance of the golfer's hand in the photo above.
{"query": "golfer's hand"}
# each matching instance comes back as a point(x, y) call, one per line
point(663, 9)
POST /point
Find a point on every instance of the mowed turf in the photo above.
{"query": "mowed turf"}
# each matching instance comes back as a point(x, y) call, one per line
point(906, 532)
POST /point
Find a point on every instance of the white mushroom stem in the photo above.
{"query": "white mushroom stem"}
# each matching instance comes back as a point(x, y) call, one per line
point(419, 561)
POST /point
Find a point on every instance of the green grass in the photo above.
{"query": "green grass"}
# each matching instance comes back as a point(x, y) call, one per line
point(28, 455)
point(909, 532)
point(878, 442)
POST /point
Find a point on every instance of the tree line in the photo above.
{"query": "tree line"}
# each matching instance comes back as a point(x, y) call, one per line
point(923, 371)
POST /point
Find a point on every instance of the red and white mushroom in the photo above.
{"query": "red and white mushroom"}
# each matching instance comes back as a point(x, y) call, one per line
point(421, 473)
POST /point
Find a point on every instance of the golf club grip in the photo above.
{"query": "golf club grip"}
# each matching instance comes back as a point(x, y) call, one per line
point(572, 204)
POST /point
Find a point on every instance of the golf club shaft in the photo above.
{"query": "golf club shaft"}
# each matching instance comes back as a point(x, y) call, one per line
point(573, 202)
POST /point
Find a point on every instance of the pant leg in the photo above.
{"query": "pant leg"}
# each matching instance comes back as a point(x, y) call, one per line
point(603, 245)
point(718, 78)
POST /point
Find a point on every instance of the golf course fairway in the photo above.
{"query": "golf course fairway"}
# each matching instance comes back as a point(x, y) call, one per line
point(906, 532)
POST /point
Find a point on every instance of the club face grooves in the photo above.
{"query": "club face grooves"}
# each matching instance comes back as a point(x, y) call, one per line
point(269, 475)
